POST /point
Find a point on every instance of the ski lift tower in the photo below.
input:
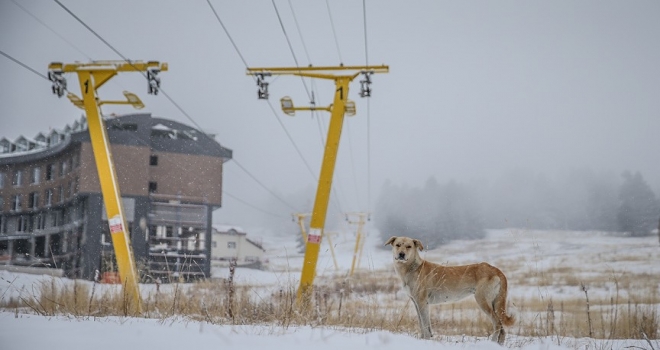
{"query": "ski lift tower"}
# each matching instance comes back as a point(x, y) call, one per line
point(342, 76)
point(92, 76)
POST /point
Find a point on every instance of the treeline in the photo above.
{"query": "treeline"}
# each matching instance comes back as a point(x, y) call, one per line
point(579, 200)
point(435, 213)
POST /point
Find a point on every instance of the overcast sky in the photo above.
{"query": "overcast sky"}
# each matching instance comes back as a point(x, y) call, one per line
point(475, 88)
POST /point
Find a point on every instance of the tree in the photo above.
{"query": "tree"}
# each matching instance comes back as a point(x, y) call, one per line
point(638, 207)
point(435, 214)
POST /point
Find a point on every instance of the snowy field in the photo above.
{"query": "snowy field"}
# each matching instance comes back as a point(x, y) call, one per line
point(543, 267)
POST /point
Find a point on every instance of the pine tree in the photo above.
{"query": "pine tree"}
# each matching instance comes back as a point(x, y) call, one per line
point(638, 207)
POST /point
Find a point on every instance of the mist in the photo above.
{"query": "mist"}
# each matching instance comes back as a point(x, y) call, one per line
point(534, 108)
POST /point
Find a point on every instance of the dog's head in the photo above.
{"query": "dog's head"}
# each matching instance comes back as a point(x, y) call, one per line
point(404, 249)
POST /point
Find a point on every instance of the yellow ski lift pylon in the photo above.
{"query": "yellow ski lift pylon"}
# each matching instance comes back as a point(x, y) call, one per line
point(91, 77)
point(337, 112)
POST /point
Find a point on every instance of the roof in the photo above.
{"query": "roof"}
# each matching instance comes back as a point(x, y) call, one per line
point(161, 135)
point(220, 228)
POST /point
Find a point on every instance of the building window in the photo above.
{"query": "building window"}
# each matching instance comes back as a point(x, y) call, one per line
point(39, 222)
point(18, 178)
point(50, 172)
point(215, 244)
point(3, 224)
point(60, 192)
point(33, 200)
point(153, 160)
point(16, 202)
point(231, 245)
point(72, 187)
point(49, 197)
point(22, 224)
point(75, 161)
point(36, 175)
point(56, 218)
point(2, 180)
point(2, 203)
point(153, 187)
point(64, 168)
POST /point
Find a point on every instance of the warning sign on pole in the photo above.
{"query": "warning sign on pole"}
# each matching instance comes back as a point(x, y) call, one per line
point(116, 224)
point(314, 236)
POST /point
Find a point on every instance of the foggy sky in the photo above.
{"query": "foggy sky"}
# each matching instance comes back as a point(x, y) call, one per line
point(474, 90)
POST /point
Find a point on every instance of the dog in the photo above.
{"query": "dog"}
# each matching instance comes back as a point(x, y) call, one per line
point(428, 283)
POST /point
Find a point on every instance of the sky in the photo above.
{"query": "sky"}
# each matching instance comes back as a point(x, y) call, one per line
point(474, 88)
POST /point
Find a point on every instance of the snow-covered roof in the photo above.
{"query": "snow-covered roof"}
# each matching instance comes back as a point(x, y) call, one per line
point(160, 126)
point(227, 228)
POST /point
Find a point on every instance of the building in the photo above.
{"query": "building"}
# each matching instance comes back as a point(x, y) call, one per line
point(230, 243)
point(52, 212)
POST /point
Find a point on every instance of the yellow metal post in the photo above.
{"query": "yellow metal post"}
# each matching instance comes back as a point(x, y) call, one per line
point(359, 239)
point(301, 223)
point(92, 76)
point(332, 248)
point(317, 223)
point(338, 109)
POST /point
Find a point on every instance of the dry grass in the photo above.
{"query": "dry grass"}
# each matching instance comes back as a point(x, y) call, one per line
point(367, 302)
point(546, 298)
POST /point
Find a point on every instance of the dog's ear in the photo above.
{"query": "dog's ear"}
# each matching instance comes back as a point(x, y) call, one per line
point(418, 244)
point(391, 240)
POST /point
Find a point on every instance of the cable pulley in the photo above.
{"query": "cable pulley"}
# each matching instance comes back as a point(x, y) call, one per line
point(262, 93)
point(153, 80)
point(59, 82)
point(365, 85)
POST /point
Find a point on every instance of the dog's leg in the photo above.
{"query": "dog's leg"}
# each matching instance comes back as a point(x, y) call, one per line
point(485, 303)
point(500, 333)
point(424, 318)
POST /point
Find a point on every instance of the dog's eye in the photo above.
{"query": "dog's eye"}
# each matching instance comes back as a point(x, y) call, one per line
point(398, 245)
point(408, 246)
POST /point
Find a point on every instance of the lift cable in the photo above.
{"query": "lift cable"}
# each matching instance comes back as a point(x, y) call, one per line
point(277, 117)
point(295, 59)
point(335, 190)
point(140, 141)
point(129, 62)
point(227, 33)
point(51, 29)
point(269, 103)
point(295, 19)
point(23, 65)
point(250, 205)
point(366, 57)
point(350, 144)
point(332, 24)
point(170, 99)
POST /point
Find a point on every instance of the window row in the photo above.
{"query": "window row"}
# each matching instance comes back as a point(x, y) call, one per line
point(34, 200)
point(52, 171)
point(35, 222)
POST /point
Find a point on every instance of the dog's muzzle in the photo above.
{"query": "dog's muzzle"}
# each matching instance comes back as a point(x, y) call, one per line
point(401, 257)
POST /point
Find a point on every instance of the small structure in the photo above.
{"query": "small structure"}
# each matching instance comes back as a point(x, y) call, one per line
point(230, 243)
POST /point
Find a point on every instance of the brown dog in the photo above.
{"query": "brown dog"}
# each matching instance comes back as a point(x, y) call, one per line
point(428, 283)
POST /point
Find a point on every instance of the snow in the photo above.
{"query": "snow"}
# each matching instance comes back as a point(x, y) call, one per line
point(522, 251)
point(21, 331)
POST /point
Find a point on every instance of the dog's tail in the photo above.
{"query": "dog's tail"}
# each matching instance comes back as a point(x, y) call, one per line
point(499, 305)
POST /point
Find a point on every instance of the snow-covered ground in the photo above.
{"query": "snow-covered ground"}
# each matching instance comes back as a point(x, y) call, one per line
point(537, 255)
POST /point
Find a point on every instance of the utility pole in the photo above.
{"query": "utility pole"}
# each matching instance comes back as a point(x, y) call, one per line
point(92, 76)
point(338, 109)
